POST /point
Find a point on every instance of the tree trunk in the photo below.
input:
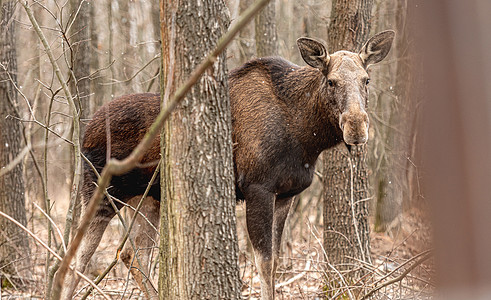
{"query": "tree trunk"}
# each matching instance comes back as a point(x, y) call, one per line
point(96, 87)
point(199, 250)
point(246, 35)
point(346, 230)
point(81, 84)
point(14, 246)
point(265, 28)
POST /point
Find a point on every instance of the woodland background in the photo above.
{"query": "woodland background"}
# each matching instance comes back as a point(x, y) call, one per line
point(110, 48)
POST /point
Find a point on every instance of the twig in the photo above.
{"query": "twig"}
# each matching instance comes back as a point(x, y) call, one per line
point(115, 81)
point(341, 277)
point(13, 163)
point(52, 252)
point(296, 277)
point(422, 257)
point(53, 223)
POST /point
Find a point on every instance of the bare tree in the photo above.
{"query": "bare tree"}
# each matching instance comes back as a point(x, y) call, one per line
point(199, 245)
point(265, 30)
point(80, 71)
point(346, 228)
point(14, 246)
point(394, 116)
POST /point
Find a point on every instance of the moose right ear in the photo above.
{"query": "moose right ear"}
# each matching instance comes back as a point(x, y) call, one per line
point(313, 53)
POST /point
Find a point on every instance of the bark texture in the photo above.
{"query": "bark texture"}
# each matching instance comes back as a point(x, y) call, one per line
point(81, 55)
point(199, 249)
point(350, 24)
point(246, 35)
point(81, 85)
point(346, 205)
point(14, 246)
point(395, 116)
point(265, 28)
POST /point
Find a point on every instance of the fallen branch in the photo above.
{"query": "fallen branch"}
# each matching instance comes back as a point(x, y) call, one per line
point(423, 256)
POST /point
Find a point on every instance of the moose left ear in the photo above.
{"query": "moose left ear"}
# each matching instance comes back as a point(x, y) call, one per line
point(377, 48)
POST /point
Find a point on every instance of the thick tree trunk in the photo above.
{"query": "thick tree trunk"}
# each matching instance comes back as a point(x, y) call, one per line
point(199, 249)
point(346, 230)
point(14, 246)
point(265, 28)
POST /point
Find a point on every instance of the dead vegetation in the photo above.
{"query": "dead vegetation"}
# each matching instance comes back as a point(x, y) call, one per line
point(401, 268)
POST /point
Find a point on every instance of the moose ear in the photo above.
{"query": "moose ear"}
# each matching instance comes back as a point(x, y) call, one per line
point(377, 48)
point(313, 53)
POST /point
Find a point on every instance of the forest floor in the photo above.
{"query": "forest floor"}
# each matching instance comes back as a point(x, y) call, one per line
point(302, 273)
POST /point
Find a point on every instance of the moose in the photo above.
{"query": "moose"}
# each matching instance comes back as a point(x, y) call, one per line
point(283, 117)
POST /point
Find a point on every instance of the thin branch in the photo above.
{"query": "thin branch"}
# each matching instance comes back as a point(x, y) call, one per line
point(53, 223)
point(35, 237)
point(423, 256)
point(73, 108)
point(114, 81)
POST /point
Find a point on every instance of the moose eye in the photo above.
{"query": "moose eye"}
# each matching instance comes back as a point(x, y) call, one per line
point(330, 83)
point(367, 81)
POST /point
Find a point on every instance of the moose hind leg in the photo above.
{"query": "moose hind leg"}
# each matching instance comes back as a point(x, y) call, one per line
point(88, 245)
point(281, 209)
point(259, 216)
point(143, 235)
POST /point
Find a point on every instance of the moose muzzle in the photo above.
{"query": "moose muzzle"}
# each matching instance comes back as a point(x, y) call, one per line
point(354, 124)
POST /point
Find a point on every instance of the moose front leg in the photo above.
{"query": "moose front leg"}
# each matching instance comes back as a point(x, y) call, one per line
point(259, 216)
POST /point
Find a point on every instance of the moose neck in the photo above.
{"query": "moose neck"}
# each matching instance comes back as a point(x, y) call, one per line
point(314, 115)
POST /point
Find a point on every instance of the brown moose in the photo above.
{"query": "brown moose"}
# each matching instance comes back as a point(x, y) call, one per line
point(283, 117)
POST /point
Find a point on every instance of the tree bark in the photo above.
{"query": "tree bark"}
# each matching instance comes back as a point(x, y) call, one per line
point(81, 85)
point(14, 246)
point(395, 161)
point(199, 249)
point(346, 230)
point(265, 28)
point(246, 35)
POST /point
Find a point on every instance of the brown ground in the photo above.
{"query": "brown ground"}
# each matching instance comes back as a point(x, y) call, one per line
point(303, 270)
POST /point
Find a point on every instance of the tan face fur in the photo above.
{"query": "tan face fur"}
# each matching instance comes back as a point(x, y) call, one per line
point(347, 80)
point(348, 84)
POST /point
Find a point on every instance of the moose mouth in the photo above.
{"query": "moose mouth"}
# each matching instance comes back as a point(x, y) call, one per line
point(355, 141)
point(355, 133)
